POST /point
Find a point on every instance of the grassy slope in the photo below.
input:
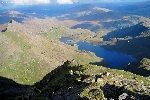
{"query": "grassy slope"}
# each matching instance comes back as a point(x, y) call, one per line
point(22, 67)
point(35, 55)
point(27, 57)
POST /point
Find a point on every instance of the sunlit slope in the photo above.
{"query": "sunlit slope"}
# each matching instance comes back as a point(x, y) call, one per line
point(26, 54)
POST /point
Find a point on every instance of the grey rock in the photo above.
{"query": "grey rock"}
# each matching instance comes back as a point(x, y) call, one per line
point(123, 96)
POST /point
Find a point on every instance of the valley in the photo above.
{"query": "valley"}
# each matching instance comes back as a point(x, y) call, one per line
point(97, 51)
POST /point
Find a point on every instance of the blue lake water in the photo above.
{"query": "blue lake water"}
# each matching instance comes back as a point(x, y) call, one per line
point(113, 59)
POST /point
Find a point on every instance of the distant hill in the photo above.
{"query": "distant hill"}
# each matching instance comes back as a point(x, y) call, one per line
point(132, 40)
point(137, 8)
point(131, 31)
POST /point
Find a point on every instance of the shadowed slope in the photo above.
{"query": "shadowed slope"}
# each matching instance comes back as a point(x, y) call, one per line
point(72, 82)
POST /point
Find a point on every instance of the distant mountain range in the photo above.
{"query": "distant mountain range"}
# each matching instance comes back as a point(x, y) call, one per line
point(36, 64)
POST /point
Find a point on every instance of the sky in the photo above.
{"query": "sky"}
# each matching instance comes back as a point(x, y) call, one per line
point(22, 2)
point(38, 1)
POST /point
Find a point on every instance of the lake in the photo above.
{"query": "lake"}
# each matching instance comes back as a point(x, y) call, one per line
point(113, 59)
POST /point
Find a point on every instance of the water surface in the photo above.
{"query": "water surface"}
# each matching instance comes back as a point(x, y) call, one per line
point(113, 59)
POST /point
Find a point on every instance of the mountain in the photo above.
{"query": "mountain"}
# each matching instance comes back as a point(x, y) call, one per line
point(31, 53)
point(88, 12)
point(131, 31)
point(133, 40)
point(84, 51)
point(28, 47)
point(72, 81)
point(137, 8)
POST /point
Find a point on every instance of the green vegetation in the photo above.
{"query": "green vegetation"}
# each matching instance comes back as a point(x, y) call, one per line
point(18, 40)
point(54, 33)
point(142, 68)
point(27, 58)
point(91, 83)
point(21, 67)
point(72, 81)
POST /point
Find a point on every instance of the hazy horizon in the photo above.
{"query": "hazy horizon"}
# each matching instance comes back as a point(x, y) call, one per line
point(32, 2)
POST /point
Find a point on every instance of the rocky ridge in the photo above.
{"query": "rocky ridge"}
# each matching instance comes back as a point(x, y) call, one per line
point(85, 82)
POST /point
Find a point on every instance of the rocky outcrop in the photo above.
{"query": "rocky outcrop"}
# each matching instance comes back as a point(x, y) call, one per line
point(89, 82)
point(144, 67)
point(85, 82)
point(3, 28)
